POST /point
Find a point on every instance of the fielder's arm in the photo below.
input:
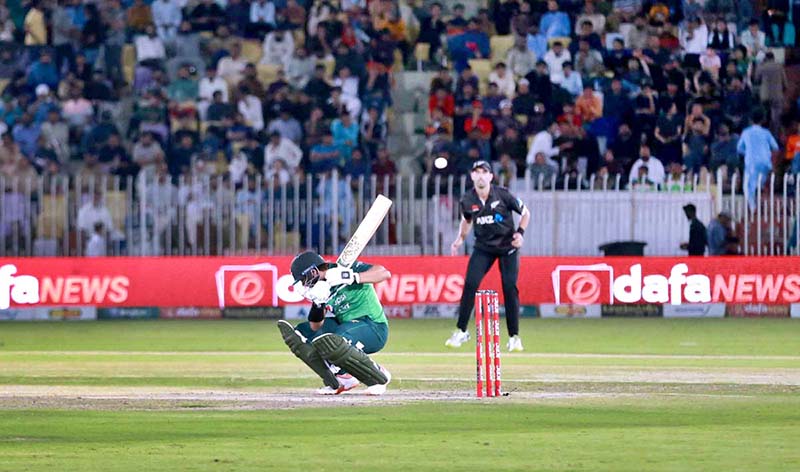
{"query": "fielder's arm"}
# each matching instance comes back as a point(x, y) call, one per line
point(463, 231)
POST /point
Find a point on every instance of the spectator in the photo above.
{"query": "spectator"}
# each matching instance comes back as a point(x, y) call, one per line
point(250, 107)
point(697, 233)
point(711, 63)
point(206, 16)
point(520, 59)
point(184, 88)
point(773, 82)
point(26, 134)
point(231, 68)
point(34, 25)
point(536, 42)
point(695, 147)
point(300, 68)
point(95, 211)
point(588, 62)
point(140, 16)
point(219, 110)
point(491, 102)
point(587, 34)
point(655, 169)
point(738, 102)
point(755, 41)
point(667, 133)
point(208, 85)
point(347, 83)
point(478, 122)
point(471, 44)
point(723, 150)
point(283, 149)
point(10, 156)
point(598, 20)
point(756, 144)
point(721, 239)
point(373, 132)
point(543, 143)
point(638, 35)
point(325, 156)
point(237, 16)
point(554, 23)
point(504, 80)
point(384, 167)
point(541, 171)
point(262, 18)
point(278, 47)
point(572, 82)
point(180, 157)
point(287, 126)
point(167, 17)
point(720, 39)
point(457, 23)
point(345, 135)
point(555, 59)
point(432, 29)
point(443, 101)
point(147, 154)
point(57, 134)
point(43, 71)
point(588, 105)
point(149, 47)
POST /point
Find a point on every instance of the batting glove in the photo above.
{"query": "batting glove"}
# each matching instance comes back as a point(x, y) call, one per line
point(341, 276)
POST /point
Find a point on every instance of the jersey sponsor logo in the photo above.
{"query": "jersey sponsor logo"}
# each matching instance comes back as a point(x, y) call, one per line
point(485, 220)
point(494, 204)
point(498, 218)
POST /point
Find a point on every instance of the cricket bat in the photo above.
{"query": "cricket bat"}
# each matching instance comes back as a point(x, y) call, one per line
point(369, 225)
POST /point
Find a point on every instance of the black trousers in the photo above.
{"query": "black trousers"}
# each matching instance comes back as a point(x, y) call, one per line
point(479, 264)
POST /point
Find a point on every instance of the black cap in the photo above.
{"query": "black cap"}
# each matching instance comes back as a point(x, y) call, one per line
point(303, 262)
point(483, 164)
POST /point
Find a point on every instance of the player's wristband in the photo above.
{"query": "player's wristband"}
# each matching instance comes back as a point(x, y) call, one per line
point(521, 231)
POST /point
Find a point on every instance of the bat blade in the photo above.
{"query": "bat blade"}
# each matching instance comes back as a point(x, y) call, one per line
point(369, 225)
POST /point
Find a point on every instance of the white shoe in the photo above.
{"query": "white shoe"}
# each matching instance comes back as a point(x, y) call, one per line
point(380, 389)
point(346, 382)
point(515, 344)
point(457, 339)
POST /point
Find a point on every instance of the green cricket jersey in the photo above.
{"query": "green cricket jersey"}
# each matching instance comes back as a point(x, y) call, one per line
point(357, 300)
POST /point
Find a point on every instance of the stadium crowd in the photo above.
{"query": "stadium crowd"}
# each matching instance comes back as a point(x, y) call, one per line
point(646, 91)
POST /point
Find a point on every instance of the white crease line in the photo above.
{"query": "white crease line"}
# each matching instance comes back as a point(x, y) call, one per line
point(527, 355)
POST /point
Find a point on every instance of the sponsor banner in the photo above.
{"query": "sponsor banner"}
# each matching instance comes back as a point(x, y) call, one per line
point(254, 313)
point(631, 311)
point(795, 310)
point(227, 282)
point(69, 313)
point(528, 311)
point(438, 310)
point(757, 310)
point(551, 310)
point(397, 311)
point(23, 314)
point(189, 312)
point(296, 312)
point(695, 310)
point(132, 313)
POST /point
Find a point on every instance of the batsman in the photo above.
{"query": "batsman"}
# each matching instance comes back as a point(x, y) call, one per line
point(336, 347)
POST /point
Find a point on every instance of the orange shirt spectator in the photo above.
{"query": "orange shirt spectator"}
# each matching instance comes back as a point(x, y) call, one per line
point(443, 101)
point(588, 106)
point(476, 121)
point(793, 145)
point(396, 26)
point(139, 16)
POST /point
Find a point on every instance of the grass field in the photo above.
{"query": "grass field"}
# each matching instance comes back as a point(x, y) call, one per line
point(611, 394)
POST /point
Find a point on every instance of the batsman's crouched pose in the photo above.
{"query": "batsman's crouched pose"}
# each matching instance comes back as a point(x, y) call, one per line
point(336, 348)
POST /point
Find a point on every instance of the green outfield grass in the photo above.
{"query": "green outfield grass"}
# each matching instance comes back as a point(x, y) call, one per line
point(610, 394)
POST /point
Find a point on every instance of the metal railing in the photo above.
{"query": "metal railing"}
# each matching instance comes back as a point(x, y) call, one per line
point(210, 215)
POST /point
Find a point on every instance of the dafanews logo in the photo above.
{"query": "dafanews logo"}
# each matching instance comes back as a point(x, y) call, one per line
point(22, 289)
point(254, 285)
point(60, 290)
point(590, 284)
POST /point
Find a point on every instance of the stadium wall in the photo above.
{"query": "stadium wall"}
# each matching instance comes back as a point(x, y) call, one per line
point(421, 287)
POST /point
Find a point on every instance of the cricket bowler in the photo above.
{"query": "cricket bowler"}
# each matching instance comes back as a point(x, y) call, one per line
point(336, 348)
point(489, 207)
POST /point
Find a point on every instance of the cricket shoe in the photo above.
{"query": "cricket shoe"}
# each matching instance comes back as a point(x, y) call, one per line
point(457, 339)
point(515, 344)
point(380, 389)
point(346, 382)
